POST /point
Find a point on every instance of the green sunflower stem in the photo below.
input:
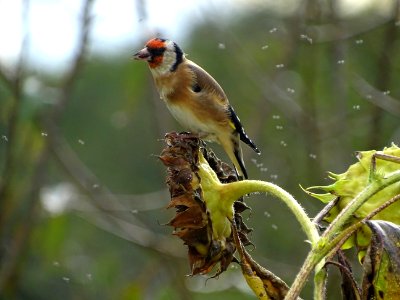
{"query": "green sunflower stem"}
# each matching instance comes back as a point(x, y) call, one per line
point(236, 189)
point(216, 193)
point(320, 284)
point(309, 265)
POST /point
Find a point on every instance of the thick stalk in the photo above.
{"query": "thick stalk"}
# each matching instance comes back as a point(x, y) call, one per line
point(239, 188)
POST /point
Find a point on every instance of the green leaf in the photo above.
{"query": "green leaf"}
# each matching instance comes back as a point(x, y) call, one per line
point(325, 197)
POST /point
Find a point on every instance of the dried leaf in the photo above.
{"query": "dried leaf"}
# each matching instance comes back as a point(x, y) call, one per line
point(192, 217)
point(350, 289)
point(382, 262)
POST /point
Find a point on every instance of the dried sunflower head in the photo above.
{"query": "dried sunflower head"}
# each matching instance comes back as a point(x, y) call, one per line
point(193, 222)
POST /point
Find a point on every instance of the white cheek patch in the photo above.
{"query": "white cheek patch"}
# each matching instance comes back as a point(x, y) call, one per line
point(168, 61)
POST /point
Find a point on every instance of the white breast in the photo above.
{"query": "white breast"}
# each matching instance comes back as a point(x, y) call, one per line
point(190, 122)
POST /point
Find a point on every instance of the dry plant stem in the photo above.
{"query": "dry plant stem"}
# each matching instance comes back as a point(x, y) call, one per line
point(253, 281)
point(250, 186)
point(381, 156)
point(322, 214)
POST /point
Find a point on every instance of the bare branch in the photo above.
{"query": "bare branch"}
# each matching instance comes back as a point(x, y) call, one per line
point(376, 97)
point(6, 78)
point(14, 83)
point(322, 214)
point(78, 62)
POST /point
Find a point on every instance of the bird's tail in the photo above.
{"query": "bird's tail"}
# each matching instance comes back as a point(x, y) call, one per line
point(240, 130)
point(232, 148)
point(245, 138)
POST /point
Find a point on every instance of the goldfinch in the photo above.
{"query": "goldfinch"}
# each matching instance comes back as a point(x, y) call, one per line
point(195, 99)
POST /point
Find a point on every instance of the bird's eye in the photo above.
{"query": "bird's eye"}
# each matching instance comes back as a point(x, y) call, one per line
point(196, 88)
point(156, 51)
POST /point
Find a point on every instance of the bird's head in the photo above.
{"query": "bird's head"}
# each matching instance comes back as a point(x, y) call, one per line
point(161, 54)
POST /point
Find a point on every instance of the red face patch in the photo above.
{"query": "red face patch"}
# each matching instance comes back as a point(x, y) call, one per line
point(155, 44)
point(155, 61)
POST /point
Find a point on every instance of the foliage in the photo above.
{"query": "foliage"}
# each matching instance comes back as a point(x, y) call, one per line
point(350, 183)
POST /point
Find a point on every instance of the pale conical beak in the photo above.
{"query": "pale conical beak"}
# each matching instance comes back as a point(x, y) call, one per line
point(142, 54)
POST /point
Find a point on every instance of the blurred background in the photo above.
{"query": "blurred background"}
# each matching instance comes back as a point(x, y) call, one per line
point(82, 192)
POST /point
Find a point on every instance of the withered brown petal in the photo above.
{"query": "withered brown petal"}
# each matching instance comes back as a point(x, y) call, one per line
point(192, 217)
point(196, 260)
point(185, 200)
point(241, 226)
point(194, 237)
point(240, 206)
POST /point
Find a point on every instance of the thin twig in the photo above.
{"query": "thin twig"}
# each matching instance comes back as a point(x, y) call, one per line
point(78, 62)
point(322, 214)
point(375, 96)
point(14, 82)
